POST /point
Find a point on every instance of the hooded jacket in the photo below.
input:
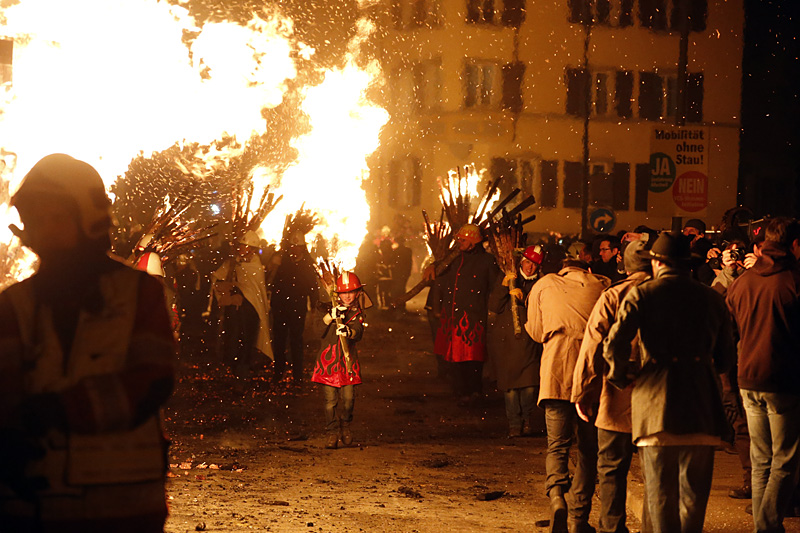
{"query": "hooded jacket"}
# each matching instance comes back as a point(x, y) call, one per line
point(765, 303)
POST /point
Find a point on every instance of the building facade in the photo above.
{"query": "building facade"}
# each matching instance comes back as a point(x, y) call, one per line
point(545, 92)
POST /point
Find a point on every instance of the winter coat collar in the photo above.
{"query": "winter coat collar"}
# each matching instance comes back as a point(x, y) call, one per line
point(774, 259)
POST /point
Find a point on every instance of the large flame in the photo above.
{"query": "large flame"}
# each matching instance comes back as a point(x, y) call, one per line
point(332, 163)
point(88, 81)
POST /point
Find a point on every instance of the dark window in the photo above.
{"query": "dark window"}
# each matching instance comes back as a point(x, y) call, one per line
point(474, 11)
point(603, 11)
point(506, 169)
point(601, 93)
point(513, 13)
point(580, 12)
point(625, 13)
point(694, 98)
point(512, 86)
point(488, 11)
point(651, 95)
point(549, 193)
point(397, 14)
point(653, 14)
point(672, 96)
point(624, 93)
point(6, 58)
point(620, 177)
point(577, 92)
point(573, 183)
point(642, 185)
point(419, 12)
point(478, 79)
point(600, 190)
point(526, 177)
point(698, 12)
point(405, 182)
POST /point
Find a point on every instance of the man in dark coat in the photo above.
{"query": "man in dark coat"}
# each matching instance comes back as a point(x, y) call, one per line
point(765, 302)
point(515, 359)
point(402, 261)
point(464, 293)
point(294, 284)
point(676, 407)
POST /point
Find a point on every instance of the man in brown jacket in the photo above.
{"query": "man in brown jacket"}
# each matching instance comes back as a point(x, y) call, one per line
point(591, 393)
point(558, 308)
point(677, 418)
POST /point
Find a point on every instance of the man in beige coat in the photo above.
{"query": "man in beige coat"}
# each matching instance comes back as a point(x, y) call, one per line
point(558, 309)
point(592, 393)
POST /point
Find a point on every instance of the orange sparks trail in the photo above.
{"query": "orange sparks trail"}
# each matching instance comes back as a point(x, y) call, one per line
point(86, 81)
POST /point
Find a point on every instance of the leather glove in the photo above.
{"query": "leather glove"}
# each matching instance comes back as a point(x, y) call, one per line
point(338, 312)
point(343, 331)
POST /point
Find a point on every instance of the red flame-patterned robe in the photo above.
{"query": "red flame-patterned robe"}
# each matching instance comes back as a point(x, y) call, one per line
point(331, 368)
point(465, 288)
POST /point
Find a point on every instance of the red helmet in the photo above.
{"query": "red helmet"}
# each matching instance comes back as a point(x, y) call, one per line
point(348, 282)
point(534, 254)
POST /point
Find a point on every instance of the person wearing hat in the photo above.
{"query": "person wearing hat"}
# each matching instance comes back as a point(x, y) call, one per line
point(514, 361)
point(87, 360)
point(559, 305)
point(677, 418)
point(596, 399)
point(337, 367)
point(463, 294)
point(239, 287)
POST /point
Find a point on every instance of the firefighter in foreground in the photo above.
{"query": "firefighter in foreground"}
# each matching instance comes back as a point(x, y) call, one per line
point(337, 368)
point(86, 361)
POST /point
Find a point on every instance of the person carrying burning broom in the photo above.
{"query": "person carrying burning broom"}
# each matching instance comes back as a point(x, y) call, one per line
point(337, 368)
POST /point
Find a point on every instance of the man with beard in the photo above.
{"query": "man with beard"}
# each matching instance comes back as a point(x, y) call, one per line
point(463, 290)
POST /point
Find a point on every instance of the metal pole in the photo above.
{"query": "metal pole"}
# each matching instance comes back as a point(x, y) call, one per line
point(683, 63)
point(587, 109)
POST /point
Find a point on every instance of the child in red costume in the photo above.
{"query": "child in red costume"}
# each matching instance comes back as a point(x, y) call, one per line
point(337, 368)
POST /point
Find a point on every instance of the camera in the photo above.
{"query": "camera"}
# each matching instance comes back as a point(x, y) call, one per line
point(738, 254)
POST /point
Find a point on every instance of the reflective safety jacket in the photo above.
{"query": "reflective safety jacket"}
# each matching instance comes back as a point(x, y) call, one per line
point(108, 463)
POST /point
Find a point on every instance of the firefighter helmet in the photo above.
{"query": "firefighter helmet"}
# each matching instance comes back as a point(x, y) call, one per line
point(62, 175)
point(534, 254)
point(470, 233)
point(348, 282)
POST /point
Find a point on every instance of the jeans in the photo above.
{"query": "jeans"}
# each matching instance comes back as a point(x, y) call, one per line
point(615, 450)
point(677, 480)
point(774, 423)
point(338, 406)
point(562, 424)
point(519, 406)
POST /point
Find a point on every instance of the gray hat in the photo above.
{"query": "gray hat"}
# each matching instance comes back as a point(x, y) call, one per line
point(633, 260)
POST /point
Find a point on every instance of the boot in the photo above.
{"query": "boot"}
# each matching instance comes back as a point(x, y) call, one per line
point(558, 511)
point(347, 437)
point(332, 441)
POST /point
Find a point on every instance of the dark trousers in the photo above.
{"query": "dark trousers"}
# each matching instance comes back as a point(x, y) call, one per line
point(677, 481)
point(615, 451)
point(467, 377)
point(241, 327)
point(563, 425)
point(288, 325)
point(339, 402)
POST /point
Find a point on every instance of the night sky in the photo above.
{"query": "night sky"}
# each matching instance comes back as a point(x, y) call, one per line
point(769, 168)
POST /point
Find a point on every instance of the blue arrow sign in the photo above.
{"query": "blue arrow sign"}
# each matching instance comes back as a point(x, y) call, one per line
point(602, 220)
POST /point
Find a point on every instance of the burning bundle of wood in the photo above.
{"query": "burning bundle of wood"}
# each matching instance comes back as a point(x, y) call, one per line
point(299, 223)
point(246, 216)
point(506, 237)
point(457, 207)
point(169, 233)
